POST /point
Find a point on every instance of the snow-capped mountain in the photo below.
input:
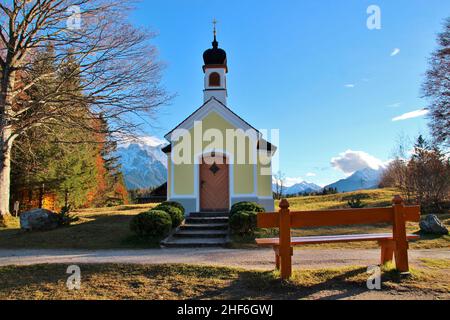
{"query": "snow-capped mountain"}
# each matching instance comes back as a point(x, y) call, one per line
point(367, 178)
point(144, 165)
point(301, 187)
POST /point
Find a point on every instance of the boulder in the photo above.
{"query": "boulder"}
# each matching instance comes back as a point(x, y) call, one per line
point(39, 219)
point(432, 225)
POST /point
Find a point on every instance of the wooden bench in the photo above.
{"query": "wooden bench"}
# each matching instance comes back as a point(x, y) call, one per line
point(392, 244)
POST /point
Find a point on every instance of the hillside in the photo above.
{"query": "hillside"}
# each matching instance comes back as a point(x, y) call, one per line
point(373, 198)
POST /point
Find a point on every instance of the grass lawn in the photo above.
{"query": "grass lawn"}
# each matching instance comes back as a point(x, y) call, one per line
point(372, 198)
point(100, 228)
point(113, 281)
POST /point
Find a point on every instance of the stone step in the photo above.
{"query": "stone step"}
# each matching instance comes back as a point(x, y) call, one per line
point(201, 234)
point(203, 226)
point(208, 220)
point(209, 214)
point(194, 242)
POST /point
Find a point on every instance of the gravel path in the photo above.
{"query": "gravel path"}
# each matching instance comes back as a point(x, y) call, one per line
point(252, 259)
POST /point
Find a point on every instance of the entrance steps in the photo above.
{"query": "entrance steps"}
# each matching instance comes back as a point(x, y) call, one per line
point(201, 229)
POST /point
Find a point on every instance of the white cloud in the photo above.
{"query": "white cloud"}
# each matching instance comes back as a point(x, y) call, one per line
point(350, 85)
point(395, 52)
point(394, 105)
point(351, 161)
point(412, 114)
point(310, 174)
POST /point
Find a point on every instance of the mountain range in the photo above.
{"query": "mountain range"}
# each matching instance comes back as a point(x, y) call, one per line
point(366, 178)
point(300, 187)
point(144, 166)
point(143, 163)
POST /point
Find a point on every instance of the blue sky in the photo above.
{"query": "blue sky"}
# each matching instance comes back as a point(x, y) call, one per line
point(309, 68)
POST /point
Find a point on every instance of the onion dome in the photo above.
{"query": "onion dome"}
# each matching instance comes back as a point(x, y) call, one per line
point(215, 55)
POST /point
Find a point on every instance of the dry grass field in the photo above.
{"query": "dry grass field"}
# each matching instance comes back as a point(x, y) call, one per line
point(428, 280)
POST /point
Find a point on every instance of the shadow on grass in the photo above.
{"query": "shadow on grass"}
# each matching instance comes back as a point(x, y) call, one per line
point(431, 237)
point(267, 285)
point(18, 277)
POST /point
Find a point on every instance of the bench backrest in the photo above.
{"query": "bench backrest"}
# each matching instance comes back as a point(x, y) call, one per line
point(323, 218)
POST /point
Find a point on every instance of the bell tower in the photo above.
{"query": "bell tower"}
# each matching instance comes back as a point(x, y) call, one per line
point(215, 70)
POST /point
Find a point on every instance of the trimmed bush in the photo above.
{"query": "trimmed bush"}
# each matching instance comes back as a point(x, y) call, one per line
point(153, 223)
point(243, 222)
point(172, 204)
point(176, 215)
point(246, 206)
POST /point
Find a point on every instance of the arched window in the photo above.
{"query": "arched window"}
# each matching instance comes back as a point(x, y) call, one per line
point(214, 79)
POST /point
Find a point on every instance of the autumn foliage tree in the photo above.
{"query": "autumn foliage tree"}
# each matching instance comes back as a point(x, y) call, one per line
point(65, 162)
point(116, 67)
point(423, 179)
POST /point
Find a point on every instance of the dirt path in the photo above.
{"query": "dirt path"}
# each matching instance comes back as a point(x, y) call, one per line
point(252, 259)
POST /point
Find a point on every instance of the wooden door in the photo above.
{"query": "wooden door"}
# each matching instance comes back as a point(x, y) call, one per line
point(214, 184)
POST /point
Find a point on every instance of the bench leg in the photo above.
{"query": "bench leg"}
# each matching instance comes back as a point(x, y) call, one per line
point(387, 251)
point(286, 263)
point(401, 256)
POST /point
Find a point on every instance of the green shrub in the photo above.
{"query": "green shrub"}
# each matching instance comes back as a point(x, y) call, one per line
point(246, 206)
point(172, 204)
point(65, 217)
point(176, 215)
point(153, 223)
point(355, 203)
point(243, 222)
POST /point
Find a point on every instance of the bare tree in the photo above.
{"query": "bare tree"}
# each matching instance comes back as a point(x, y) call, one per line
point(119, 73)
point(279, 178)
point(437, 88)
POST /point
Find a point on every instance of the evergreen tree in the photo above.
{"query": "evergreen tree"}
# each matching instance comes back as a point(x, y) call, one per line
point(53, 154)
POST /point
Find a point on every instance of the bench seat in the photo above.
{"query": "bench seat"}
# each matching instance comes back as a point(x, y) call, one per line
point(330, 239)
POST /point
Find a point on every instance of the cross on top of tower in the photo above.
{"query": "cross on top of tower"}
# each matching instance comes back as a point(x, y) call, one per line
point(214, 22)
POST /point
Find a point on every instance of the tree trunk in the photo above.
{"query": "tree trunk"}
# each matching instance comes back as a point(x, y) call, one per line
point(6, 139)
point(5, 175)
point(66, 198)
